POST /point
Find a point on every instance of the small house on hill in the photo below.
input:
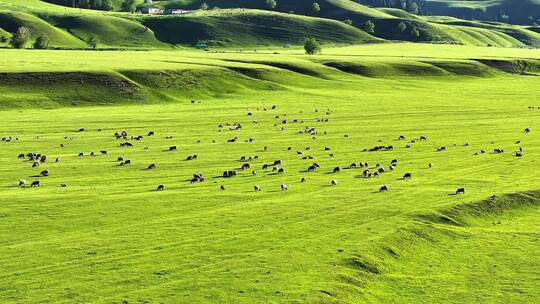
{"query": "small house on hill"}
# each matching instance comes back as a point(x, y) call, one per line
point(151, 10)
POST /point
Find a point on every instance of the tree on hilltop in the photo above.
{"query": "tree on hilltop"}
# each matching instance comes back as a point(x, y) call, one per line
point(271, 4)
point(312, 46)
point(128, 6)
point(42, 42)
point(20, 38)
point(369, 27)
point(316, 7)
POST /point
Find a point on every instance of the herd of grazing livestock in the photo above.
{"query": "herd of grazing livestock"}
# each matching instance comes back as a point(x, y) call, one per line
point(274, 167)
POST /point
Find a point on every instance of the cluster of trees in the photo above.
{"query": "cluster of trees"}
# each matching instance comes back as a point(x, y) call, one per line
point(104, 5)
point(21, 38)
point(412, 6)
point(128, 6)
point(272, 4)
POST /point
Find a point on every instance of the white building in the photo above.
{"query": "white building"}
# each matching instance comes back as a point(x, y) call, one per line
point(176, 12)
point(151, 10)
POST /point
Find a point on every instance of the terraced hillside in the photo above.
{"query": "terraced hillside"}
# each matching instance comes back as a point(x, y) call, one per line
point(97, 229)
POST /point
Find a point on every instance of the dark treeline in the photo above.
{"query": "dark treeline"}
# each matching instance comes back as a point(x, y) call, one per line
point(104, 5)
point(412, 6)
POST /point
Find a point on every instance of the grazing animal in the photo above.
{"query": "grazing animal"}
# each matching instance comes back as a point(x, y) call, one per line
point(81, 154)
point(160, 188)
point(254, 172)
point(45, 173)
point(151, 166)
point(303, 180)
point(103, 152)
point(197, 178)
point(21, 156)
point(366, 173)
point(519, 154)
point(35, 164)
point(430, 165)
point(222, 188)
point(423, 138)
point(336, 170)
point(460, 191)
point(280, 170)
point(527, 130)
point(172, 148)
point(407, 176)
point(22, 183)
point(257, 188)
point(151, 133)
point(127, 162)
point(284, 187)
point(440, 149)
point(245, 166)
point(352, 166)
point(277, 163)
point(334, 182)
point(383, 188)
point(119, 159)
point(34, 184)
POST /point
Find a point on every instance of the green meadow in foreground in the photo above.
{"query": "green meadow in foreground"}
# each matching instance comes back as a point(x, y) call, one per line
point(109, 237)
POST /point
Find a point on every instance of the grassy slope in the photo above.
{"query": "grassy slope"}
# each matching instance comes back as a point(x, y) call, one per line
point(11, 21)
point(108, 238)
point(110, 31)
point(238, 27)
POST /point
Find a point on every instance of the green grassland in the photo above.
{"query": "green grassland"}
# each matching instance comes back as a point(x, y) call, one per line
point(109, 237)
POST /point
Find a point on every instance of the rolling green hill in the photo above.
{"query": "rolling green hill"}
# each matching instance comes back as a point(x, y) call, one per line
point(111, 31)
point(11, 20)
point(252, 27)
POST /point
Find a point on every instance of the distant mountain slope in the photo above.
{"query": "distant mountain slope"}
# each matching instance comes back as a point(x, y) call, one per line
point(512, 11)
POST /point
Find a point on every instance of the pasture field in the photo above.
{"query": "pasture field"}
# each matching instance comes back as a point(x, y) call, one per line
point(110, 237)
